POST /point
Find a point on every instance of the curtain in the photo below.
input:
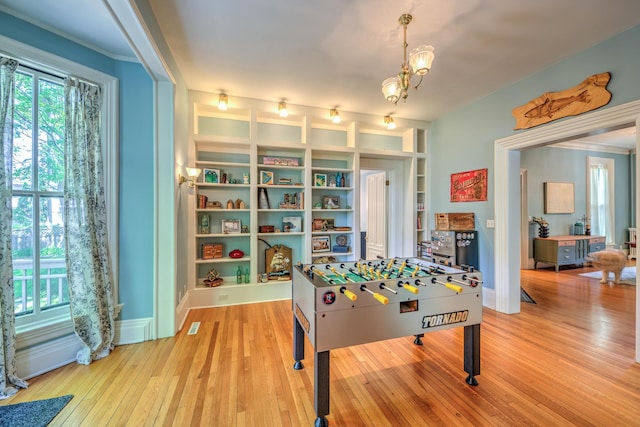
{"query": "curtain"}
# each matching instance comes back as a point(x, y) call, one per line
point(88, 262)
point(8, 378)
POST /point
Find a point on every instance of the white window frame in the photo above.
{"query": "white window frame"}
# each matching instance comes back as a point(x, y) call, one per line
point(610, 166)
point(39, 332)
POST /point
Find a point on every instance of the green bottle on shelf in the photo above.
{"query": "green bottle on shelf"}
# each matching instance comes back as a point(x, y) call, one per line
point(239, 275)
point(246, 275)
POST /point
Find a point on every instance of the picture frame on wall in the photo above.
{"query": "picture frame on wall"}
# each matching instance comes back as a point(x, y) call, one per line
point(320, 180)
point(211, 176)
point(321, 244)
point(231, 226)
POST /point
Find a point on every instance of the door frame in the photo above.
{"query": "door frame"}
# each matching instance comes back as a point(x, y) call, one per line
point(394, 169)
point(507, 193)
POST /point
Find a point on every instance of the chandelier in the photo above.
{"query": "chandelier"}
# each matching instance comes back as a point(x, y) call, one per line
point(420, 59)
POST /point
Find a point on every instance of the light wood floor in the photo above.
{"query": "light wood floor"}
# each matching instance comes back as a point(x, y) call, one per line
point(567, 360)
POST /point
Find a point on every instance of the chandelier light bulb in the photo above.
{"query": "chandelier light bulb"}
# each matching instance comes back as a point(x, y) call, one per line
point(420, 59)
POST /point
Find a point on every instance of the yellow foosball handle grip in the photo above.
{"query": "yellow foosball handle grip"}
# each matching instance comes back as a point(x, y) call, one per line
point(381, 298)
point(453, 287)
point(350, 295)
point(411, 289)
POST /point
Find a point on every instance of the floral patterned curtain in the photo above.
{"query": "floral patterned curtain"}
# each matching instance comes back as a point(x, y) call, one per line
point(88, 263)
point(8, 378)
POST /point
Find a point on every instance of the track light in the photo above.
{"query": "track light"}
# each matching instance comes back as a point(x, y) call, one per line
point(388, 120)
point(334, 115)
point(282, 109)
point(222, 101)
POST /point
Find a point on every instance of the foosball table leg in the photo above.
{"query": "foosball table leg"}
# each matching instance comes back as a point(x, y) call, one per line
point(418, 340)
point(321, 387)
point(298, 344)
point(472, 353)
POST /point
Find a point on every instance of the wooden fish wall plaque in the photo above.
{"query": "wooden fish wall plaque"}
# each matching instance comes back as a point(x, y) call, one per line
point(592, 93)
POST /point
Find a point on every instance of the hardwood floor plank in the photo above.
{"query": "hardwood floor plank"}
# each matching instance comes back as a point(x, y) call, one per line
point(566, 360)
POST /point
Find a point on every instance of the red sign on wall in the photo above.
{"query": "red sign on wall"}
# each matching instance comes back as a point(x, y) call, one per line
point(469, 186)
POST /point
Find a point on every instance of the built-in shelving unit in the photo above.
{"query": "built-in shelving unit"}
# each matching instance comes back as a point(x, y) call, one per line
point(293, 181)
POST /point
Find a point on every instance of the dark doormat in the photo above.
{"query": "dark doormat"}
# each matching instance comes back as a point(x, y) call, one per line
point(32, 414)
point(525, 297)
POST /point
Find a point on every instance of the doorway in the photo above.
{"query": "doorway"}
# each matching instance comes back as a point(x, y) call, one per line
point(507, 197)
point(389, 198)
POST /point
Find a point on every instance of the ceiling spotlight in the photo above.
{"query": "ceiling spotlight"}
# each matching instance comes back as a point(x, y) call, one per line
point(419, 63)
point(388, 121)
point(282, 109)
point(223, 101)
point(334, 115)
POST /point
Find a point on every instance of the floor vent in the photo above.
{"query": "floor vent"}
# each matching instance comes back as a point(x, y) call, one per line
point(194, 328)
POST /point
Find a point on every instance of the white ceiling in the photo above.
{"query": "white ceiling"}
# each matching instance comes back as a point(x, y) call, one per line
point(337, 52)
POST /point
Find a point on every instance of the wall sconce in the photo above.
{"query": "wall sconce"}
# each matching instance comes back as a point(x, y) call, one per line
point(282, 109)
point(223, 101)
point(388, 121)
point(334, 115)
point(193, 174)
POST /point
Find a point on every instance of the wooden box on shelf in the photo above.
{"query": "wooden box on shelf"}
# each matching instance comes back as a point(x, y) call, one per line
point(211, 250)
point(455, 221)
point(266, 228)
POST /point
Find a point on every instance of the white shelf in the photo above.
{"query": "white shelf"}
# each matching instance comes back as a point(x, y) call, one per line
point(332, 210)
point(216, 235)
point(298, 187)
point(318, 232)
point(222, 260)
point(222, 164)
point(282, 233)
point(280, 210)
point(222, 210)
point(326, 187)
point(263, 167)
point(216, 185)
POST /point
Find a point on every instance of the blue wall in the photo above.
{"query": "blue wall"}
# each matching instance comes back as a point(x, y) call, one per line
point(136, 159)
point(464, 139)
point(549, 164)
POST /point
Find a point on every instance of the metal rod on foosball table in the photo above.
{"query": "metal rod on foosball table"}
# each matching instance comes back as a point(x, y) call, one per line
point(457, 289)
point(325, 277)
point(379, 297)
point(472, 282)
point(426, 268)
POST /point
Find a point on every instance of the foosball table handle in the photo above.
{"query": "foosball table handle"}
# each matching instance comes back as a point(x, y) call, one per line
point(347, 293)
point(410, 288)
point(456, 288)
point(381, 298)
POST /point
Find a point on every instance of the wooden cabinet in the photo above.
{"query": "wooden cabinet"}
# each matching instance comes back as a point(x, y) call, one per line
point(566, 250)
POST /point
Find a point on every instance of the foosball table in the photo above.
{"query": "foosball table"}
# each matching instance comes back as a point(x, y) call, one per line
point(349, 303)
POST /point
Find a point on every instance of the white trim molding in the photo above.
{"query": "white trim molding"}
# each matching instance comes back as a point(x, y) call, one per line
point(507, 192)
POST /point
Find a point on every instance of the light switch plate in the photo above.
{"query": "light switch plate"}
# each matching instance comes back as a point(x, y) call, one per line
point(490, 223)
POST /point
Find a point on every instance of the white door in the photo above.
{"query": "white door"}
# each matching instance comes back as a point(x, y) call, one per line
point(376, 216)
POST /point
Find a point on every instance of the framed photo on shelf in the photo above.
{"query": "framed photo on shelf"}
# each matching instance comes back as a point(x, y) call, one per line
point(323, 224)
point(231, 226)
point(211, 176)
point(330, 202)
point(321, 244)
point(320, 180)
point(291, 224)
point(266, 177)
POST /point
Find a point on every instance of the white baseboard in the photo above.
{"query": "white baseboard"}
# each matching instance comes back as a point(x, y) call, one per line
point(489, 298)
point(45, 357)
point(132, 331)
point(34, 361)
point(182, 311)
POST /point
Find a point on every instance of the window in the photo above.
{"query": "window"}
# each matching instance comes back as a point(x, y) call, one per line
point(48, 316)
point(601, 197)
point(38, 247)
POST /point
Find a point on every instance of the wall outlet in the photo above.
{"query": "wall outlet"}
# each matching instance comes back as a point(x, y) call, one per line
point(490, 223)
